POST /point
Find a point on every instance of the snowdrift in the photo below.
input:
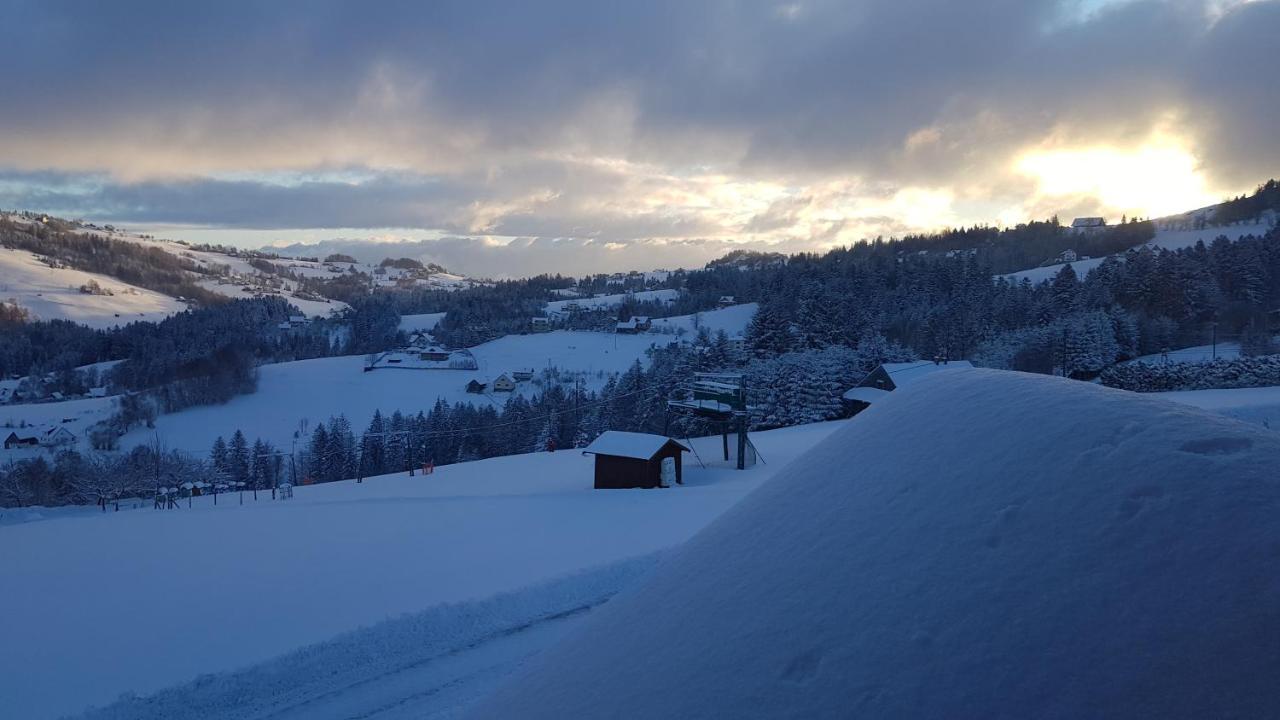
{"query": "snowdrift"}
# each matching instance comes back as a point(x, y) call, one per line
point(983, 545)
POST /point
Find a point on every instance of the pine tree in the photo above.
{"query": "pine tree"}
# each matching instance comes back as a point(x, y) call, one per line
point(238, 457)
point(218, 457)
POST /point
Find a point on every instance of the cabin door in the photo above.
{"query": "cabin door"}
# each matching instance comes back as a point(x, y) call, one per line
point(668, 471)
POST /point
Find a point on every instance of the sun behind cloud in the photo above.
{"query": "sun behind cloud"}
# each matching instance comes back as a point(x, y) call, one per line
point(1159, 177)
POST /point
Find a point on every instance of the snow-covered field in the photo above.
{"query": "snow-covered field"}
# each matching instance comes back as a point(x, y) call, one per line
point(733, 320)
point(316, 389)
point(608, 301)
point(313, 390)
point(1198, 354)
point(1054, 550)
point(143, 599)
point(1167, 239)
point(1260, 406)
point(424, 321)
point(53, 294)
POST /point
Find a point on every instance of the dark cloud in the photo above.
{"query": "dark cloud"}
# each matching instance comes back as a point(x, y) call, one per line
point(564, 119)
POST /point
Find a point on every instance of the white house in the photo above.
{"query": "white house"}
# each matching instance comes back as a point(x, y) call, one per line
point(503, 384)
point(56, 437)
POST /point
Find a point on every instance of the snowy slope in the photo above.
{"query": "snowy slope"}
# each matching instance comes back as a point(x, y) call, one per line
point(316, 389)
point(1255, 405)
point(601, 302)
point(733, 320)
point(424, 321)
point(1053, 550)
point(143, 599)
point(1199, 354)
point(53, 294)
point(1166, 239)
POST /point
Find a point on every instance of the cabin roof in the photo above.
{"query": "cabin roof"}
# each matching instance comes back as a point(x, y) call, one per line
point(640, 446)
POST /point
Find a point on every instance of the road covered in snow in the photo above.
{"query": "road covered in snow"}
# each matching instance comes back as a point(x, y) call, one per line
point(141, 600)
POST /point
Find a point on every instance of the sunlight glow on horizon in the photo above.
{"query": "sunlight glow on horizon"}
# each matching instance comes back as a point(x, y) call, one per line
point(1158, 178)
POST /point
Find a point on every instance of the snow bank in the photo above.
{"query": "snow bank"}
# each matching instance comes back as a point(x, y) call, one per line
point(987, 545)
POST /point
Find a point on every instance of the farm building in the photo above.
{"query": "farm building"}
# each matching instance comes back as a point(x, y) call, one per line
point(434, 354)
point(725, 301)
point(475, 386)
point(636, 460)
point(503, 384)
point(890, 376)
point(540, 324)
point(522, 375)
point(14, 441)
point(1088, 224)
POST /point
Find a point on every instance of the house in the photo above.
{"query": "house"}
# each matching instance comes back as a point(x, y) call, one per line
point(890, 376)
point(56, 437)
point(636, 460)
point(284, 326)
point(475, 386)
point(434, 353)
point(627, 327)
point(725, 301)
point(522, 375)
point(643, 322)
point(14, 441)
point(1088, 224)
point(298, 319)
point(97, 392)
point(540, 324)
point(503, 384)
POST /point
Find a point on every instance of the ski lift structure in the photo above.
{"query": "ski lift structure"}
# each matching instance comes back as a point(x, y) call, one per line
point(722, 399)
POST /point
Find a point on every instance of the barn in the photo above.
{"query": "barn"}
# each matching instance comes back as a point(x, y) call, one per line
point(636, 460)
point(14, 441)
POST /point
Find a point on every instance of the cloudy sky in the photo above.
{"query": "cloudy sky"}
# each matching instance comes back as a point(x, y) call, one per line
point(519, 137)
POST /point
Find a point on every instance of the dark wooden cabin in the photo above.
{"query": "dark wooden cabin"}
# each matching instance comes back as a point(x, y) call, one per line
point(634, 460)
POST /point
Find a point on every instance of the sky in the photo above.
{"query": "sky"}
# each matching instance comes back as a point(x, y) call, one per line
point(506, 139)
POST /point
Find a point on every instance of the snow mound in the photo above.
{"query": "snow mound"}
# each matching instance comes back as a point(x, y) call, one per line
point(988, 545)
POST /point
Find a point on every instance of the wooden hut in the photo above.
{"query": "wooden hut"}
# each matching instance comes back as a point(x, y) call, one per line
point(635, 460)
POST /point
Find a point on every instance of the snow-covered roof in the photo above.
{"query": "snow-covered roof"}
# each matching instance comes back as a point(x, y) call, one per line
point(865, 394)
point(641, 446)
point(1088, 222)
point(929, 584)
point(910, 372)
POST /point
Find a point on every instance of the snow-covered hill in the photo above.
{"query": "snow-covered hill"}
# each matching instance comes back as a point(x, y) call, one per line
point(141, 599)
point(54, 293)
point(1166, 239)
point(982, 545)
point(313, 390)
point(317, 389)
